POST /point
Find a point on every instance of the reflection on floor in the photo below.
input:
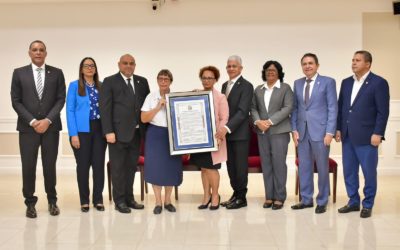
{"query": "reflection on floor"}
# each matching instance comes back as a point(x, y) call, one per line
point(248, 228)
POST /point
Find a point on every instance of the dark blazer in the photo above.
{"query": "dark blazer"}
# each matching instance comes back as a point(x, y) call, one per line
point(239, 101)
point(279, 109)
point(369, 112)
point(120, 113)
point(25, 99)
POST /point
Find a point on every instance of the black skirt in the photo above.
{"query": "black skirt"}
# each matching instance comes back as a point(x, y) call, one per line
point(203, 160)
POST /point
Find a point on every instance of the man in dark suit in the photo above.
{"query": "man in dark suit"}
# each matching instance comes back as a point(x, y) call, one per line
point(361, 123)
point(239, 93)
point(37, 96)
point(314, 125)
point(121, 98)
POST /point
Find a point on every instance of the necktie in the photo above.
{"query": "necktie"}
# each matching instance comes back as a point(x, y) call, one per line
point(307, 92)
point(228, 88)
point(130, 86)
point(39, 82)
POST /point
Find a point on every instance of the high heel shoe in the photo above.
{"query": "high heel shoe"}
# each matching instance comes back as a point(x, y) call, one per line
point(217, 206)
point(204, 206)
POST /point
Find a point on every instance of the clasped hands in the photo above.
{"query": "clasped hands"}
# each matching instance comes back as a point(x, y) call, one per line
point(263, 125)
point(41, 126)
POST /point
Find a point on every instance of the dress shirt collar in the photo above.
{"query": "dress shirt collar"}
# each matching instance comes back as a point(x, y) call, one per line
point(362, 79)
point(234, 80)
point(314, 77)
point(277, 84)
point(126, 78)
point(34, 67)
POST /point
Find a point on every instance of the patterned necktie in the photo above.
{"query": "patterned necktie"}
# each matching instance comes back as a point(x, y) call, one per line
point(130, 86)
point(39, 82)
point(307, 92)
point(228, 88)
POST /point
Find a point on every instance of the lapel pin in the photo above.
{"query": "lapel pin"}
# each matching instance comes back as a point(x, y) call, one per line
point(48, 72)
point(366, 82)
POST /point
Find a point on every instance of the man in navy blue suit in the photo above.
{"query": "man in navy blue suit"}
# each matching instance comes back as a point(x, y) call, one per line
point(362, 118)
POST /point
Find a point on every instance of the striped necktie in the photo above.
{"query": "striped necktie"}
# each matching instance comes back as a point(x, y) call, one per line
point(39, 82)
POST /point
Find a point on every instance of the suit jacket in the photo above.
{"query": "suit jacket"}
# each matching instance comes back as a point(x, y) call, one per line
point(320, 114)
point(239, 101)
point(279, 108)
point(369, 112)
point(78, 110)
point(221, 111)
point(119, 110)
point(25, 99)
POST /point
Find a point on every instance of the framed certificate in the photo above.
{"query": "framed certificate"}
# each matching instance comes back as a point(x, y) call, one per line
point(191, 122)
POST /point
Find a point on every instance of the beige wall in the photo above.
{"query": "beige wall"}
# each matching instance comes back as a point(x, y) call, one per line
point(381, 35)
point(188, 34)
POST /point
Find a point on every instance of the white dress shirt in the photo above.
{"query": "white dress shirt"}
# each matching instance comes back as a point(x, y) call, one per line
point(357, 86)
point(311, 86)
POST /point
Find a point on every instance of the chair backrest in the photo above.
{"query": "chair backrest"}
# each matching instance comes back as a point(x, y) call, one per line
point(253, 147)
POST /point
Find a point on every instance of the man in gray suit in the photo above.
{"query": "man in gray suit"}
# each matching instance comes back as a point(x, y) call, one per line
point(313, 123)
point(270, 111)
point(37, 96)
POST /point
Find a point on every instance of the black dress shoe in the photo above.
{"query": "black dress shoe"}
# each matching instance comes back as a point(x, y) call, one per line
point(99, 207)
point(133, 204)
point(276, 206)
point(205, 206)
point(170, 208)
point(320, 209)
point(157, 210)
point(85, 208)
point(54, 210)
point(232, 199)
point(31, 211)
point(216, 206)
point(301, 206)
point(366, 212)
point(237, 203)
point(348, 209)
point(122, 208)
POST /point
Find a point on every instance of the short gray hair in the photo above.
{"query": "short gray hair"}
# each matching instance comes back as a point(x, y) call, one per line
point(235, 58)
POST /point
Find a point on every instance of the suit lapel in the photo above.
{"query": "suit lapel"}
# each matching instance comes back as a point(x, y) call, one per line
point(362, 89)
point(31, 76)
point(315, 90)
point(300, 89)
point(235, 86)
point(47, 79)
point(261, 97)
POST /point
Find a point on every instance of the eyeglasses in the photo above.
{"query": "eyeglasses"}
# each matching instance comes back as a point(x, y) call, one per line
point(207, 78)
point(89, 66)
point(271, 70)
point(163, 79)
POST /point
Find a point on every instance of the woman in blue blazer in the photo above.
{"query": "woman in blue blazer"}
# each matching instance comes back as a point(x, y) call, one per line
point(84, 129)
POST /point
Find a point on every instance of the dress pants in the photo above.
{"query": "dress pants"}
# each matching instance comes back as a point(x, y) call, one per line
point(273, 151)
point(123, 159)
point(309, 152)
point(237, 164)
point(91, 153)
point(353, 157)
point(29, 144)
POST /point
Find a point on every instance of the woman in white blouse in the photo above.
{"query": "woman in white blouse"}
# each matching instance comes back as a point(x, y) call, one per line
point(160, 168)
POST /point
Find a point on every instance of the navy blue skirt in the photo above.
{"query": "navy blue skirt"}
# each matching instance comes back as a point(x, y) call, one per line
point(160, 168)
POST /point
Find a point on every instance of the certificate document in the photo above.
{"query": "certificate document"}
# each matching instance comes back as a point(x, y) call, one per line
point(191, 122)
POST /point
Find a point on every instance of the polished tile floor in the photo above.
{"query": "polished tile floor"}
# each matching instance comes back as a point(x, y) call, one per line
point(248, 228)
